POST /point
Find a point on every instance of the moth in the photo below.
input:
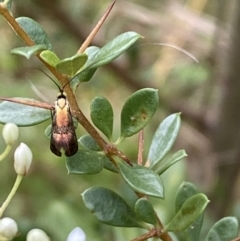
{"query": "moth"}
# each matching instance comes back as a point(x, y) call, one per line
point(63, 135)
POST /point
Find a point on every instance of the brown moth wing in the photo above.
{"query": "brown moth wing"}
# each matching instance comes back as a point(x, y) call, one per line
point(63, 134)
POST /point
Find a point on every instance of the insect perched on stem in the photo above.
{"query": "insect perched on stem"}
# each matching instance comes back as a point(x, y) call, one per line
point(63, 135)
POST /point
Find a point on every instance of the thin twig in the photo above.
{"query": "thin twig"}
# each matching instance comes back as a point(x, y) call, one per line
point(150, 234)
point(90, 37)
point(63, 79)
point(29, 102)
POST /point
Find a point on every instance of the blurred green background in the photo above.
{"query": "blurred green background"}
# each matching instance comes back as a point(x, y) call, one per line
point(207, 93)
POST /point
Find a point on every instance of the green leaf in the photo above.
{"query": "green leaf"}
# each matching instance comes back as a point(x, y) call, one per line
point(27, 52)
point(113, 49)
point(102, 115)
point(50, 58)
point(34, 31)
point(109, 165)
point(138, 110)
point(225, 229)
point(164, 138)
point(169, 161)
point(89, 143)
point(188, 213)
point(85, 162)
point(85, 74)
point(22, 115)
point(109, 207)
point(185, 191)
point(145, 212)
point(141, 179)
point(70, 66)
point(91, 52)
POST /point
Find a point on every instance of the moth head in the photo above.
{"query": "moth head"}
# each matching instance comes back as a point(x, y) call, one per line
point(61, 101)
point(61, 95)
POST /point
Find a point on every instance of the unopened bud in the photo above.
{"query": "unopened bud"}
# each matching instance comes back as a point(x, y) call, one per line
point(37, 235)
point(8, 228)
point(76, 234)
point(22, 159)
point(10, 133)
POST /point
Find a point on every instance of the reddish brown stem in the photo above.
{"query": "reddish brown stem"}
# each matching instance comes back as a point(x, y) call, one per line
point(108, 149)
point(90, 37)
point(150, 234)
point(29, 102)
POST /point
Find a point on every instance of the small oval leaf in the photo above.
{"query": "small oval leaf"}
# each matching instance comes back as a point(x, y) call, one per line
point(34, 31)
point(85, 162)
point(109, 165)
point(164, 138)
point(50, 58)
point(109, 207)
point(169, 161)
point(185, 191)
point(225, 229)
point(138, 110)
point(113, 49)
point(85, 74)
point(137, 177)
point(70, 66)
point(89, 143)
point(27, 52)
point(102, 115)
point(145, 212)
point(188, 213)
point(22, 115)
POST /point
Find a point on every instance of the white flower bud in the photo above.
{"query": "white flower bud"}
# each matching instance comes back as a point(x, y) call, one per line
point(22, 159)
point(37, 235)
point(10, 133)
point(8, 228)
point(76, 234)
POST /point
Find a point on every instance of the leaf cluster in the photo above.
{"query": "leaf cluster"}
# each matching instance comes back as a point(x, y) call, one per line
point(98, 151)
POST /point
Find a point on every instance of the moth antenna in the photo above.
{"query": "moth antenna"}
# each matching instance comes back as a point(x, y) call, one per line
point(60, 89)
point(51, 79)
point(68, 82)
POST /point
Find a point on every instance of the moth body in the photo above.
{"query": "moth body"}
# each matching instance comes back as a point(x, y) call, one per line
point(63, 136)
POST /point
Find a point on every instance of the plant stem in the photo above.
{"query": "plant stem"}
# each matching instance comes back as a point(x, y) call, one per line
point(11, 194)
point(95, 30)
point(63, 79)
point(5, 152)
point(146, 236)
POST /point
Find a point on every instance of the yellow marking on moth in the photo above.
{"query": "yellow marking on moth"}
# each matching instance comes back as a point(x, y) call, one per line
point(62, 109)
